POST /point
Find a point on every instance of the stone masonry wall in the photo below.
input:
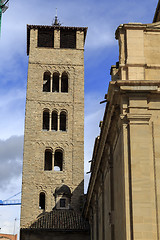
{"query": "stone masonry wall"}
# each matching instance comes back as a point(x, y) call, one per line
point(71, 142)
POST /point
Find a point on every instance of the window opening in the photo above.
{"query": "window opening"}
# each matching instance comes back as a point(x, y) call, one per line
point(46, 120)
point(63, 121)
point(63, 202)
point(67, 38)
point(64, 82)
point(54, 126)
point(48, 160)
point(46, 38)
point(46, 82)
point(55, 86)
point(42, 200)
point(58, 160)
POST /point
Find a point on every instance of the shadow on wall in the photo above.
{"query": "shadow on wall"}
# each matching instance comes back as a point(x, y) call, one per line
point(65, 221)
point(65, 198)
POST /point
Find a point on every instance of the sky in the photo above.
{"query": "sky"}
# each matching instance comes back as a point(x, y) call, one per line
point(101, 51)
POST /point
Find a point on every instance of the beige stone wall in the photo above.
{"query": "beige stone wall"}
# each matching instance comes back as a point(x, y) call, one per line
point(126, 159)
point(139, 51)
point(35, 179)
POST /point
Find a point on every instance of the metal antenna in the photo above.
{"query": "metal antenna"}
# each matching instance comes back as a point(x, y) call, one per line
point(56, 12)
point(56, 22)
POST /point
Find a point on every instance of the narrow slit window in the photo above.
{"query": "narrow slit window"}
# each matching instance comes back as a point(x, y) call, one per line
point(63, 121)
point(54, 121)
point(58, 160)
point(48, 160)
point(46, 120)
point(42, 200)
point(64, 82)
point(55, 85)
point(46, 82)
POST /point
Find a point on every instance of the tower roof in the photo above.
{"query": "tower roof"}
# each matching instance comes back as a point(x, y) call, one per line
point(29, 27)
point(60, 220)
point(64, 190)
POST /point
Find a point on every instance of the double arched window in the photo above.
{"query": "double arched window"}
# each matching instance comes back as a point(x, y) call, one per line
point(55, 82)
point(58, 160)
point(54, 120)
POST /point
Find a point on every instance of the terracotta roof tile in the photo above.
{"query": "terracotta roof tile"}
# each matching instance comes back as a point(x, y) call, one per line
point(61, 220)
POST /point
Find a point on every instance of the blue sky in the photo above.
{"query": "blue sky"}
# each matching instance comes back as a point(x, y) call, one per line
point(101, 51)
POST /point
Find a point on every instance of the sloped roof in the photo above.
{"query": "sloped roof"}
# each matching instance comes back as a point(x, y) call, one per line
point(60, 220)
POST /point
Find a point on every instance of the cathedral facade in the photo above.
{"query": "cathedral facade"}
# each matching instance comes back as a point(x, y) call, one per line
point(123, 198)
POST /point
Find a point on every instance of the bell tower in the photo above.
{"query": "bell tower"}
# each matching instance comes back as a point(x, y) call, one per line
point(53, 170)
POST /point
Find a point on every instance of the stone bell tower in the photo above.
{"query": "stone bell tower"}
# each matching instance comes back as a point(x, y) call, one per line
point(53, 170)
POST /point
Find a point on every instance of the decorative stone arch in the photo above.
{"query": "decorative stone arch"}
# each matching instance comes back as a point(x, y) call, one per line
point(46, 81)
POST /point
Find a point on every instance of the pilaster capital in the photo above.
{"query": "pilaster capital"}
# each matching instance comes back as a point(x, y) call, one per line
point(142, 119)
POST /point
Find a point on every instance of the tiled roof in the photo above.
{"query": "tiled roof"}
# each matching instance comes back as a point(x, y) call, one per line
point(61, 220)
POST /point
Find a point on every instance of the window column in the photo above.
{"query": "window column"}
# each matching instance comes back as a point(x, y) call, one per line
point(50, 120)
point(51, 82)
point(58, 128)
point(60, 76)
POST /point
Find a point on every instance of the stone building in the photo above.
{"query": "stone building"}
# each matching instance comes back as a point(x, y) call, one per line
point(123, 198)
point(53, 162)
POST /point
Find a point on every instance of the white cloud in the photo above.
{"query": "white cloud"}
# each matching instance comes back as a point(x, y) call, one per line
point(10, 160)
point(12, 108)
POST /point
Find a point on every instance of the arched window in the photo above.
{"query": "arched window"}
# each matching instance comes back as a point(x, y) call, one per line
point(46, 81)
point(58, 160)
point(64, 82)
point(42, 200)
point(63, 121)
point(48, 160)
point(54, 126)
point(55, 85)
point(46, 120)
